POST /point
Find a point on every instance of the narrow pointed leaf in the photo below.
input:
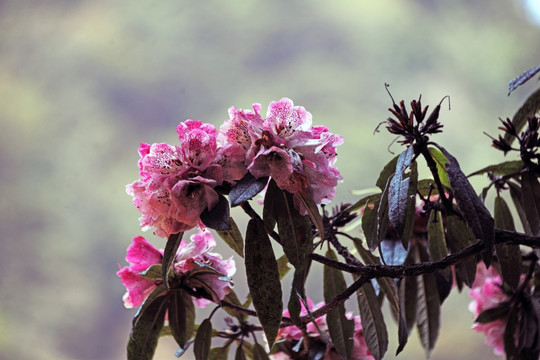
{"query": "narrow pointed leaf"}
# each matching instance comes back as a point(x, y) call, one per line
point(160, 290)
point(509, 255)
point(218, 218)
point(411, 206)
point(408, 297)
point(259, 353)
point(145, 334)
point(270, 198)
point(240, 355)
point(398, 191)
point(458, 236)
point(473, 209)
point(297, 292)
point(522, 78)
point(403, 331)
point(515, 194)
point(369, 225)
point(530, 199)
point(313, 212)
point(340, 328)
point(173, 242)
point(203, 340)
point(503, 169)
point(246, 188)
point(383, 220)
point(181, 316)
point(388, 170)
point(528, 109)
point(263, 279)
point(436, 241)
point(373, 325)
point(233, 238)
point(494, 313)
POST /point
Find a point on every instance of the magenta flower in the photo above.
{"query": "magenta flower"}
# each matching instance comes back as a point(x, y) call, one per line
point(191, 256)
point(177, 182)
point(487, 293)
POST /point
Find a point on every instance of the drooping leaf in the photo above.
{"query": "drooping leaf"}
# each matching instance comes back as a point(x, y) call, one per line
point(340, 328)
point(528, 109)
point(297, 293)
point(408, 297)
point(145, 334)
point(392, 251)
point(240, 354)
point(383, 221)
point(203, 340)
point(294, 230)
point(218, 353)
point(246, 188)
point(458, 236)
point(263, 279)
point(509, 255)
point(437, 251)
point(398, 191)
point(173, 242)
point(515, 194)
point(473, 209)
point(233, 238)
point(441, 161)
point(218, 218)
point(373, 325)
point(181, 316)
point(509, 334)
point(530, 199)
point(259, 353)
point(428, 311)
point(270, 198)
point(503, 169)
point(312, 211)
point(522, 78)
point(369, 225)
point(403, 331)
point(411, 206)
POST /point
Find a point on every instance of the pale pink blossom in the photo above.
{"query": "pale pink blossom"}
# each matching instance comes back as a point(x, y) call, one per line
point(487, 293)
point(191, 256)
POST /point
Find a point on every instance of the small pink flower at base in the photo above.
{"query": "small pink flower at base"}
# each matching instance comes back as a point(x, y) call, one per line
point(140, 255)
point(487, 293)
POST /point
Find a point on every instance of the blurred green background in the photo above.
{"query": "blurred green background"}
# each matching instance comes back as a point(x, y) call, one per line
point(82, 83)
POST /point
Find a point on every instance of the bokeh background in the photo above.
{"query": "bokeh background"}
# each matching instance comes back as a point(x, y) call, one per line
point(82, 83)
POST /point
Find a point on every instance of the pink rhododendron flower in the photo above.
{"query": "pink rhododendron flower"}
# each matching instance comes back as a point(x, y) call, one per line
point(190, 257)
point(487, 293)
point(177, 182)
point(293, 334)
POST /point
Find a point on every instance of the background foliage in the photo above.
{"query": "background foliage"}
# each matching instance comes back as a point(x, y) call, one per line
point(83, 82)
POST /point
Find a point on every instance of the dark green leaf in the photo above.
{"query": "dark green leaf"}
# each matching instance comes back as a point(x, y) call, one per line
point(383, 220)
point(160, 290)
point(181, 316)
point(408, 296)
point(374, 327)
point(411, 206)
point(398, 191)
point(522, 78)
point(444, 284)
point(428, 306)
point(515, 194)
point(294, 230)
point(530, 199)
point(145, 334)
point(509, 255)
point(270, 198)
point(403, 331)
point(510, 334)
point(297, 291)
point(313, 212)
point(503, 169)
point(173, 242)
point(493, 314)
point(153, 272)
point(218, 218)
point(246, 188)
point(369, 225)
point(474, 212)
point(259, 353)
point(240, 355)
point(219, 353)
point(263, 279)
point(388, 170)
point(436, 242)
point(458, 236)
point(441, 162)
point(203, 340)
point(528, 109)
point(233, 238)
point(340, 328)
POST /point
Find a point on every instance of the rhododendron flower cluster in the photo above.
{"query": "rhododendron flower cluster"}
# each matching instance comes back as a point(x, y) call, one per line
point(191, 256)
point(178, 182)
point(487, 294)
point(293, 334)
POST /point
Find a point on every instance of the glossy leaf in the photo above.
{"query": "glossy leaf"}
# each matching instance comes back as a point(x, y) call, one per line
point(528, 109)
point(181, 316)
point(458, 236)
point(472, 208)
point(503, 169)
point(203, 340)
point(218, 218)
point(398, 191)
point(246, 188)
point(530, 199)
point(145, 334)
point(373, 325)
point(263, 279)
point(173, 242)
point(233, 238)
point(340, 328)
point(428, 311)
point(522, 78)
point(509, 255)
point(441, 161)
